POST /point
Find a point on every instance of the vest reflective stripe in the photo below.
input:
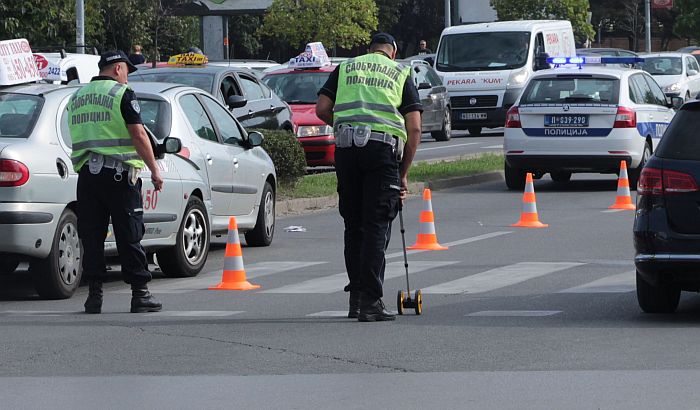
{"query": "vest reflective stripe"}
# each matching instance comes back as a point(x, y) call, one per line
point(370, 90)
point(96, 125)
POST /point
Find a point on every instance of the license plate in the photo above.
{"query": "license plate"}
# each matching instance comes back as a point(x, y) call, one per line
point(565, 120)
point(473, 116)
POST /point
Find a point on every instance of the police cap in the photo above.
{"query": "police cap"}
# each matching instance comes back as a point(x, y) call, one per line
point(112, 57)
point(383, 38)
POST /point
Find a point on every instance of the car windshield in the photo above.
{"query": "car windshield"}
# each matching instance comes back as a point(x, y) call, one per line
point(18, 114)
point(297, 87)
point(662, 65)
point(571, 90)
point(155, 115)
point(466, 52)
point(200, 80)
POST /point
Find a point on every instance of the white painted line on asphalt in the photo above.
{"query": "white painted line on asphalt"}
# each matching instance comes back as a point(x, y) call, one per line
point(620, 283)
point(208, 279)
point(337, 313)
point(493, 147)
point(612, 211)
point(454, 243)
point(335, 283)
point(499, 278)
point(515, 313)
point(195, 313)
point(37, 313)
point(446, 146)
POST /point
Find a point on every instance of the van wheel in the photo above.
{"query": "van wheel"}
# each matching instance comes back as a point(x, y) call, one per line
point(446, 132)
point(187, 257)
point(561, 176)
point(515, 178)
point(8, 264)
point(662, 298)
point(474, 131)
point(264, 229)
point(635, 173)
point(58, 275)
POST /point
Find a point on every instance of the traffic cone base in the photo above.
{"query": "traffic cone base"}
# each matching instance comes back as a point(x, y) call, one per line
point(427, 242)
point(528, 215)
point(623, 198)
point(426, 238)
point(234, 276)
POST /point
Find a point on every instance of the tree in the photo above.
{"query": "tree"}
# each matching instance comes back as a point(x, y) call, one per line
point(575, 11)
point(688, 20)
point(417, 20)
point(341, 23)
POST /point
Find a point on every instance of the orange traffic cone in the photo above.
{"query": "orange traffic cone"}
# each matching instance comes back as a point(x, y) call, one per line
point(426, 238)
point(623, 200)
point(233, 277)
point(528, 216)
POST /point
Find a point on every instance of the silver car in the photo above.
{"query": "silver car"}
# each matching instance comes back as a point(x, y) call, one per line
point(220, 171)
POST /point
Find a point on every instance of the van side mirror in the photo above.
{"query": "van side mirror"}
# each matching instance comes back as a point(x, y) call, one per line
point(692, 72)
point(541, 61)
point(255, 139)
point(674, 102)
point(236, 101)
point(424, 86)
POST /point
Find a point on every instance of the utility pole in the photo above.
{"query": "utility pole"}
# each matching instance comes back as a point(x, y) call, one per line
point(647, 12)
point(80, 26)
point(448, 14)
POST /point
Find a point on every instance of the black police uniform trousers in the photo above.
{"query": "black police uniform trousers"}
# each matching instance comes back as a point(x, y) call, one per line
point(100, 197)
point(368, 189)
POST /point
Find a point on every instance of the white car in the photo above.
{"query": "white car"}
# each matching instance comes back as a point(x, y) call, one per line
point(678, 74)
point(584, 119)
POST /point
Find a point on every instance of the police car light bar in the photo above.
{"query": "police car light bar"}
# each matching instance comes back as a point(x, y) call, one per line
point(594, 60)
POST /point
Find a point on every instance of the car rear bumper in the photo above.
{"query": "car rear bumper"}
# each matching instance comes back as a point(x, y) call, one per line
point(568, 163)
point(28, 228)
point(319, 151)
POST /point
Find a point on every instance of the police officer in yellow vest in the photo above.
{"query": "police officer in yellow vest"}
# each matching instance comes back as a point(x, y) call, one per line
point(110, 147)
point(375, 112)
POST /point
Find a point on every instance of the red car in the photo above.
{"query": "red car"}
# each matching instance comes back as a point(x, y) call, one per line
point(298, 88)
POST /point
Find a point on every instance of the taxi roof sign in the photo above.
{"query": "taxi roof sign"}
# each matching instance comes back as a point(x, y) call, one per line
point(188, 59)
point(17, 62)
point(314, 56)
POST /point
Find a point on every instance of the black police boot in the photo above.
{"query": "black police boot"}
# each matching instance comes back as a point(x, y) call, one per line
point(93, 304)
point(374, 311)
point(354, 309)
point(142, 301)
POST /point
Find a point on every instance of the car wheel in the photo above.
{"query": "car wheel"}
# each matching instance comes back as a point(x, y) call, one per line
point(58, 275)
point(8, 264)
point(264, 229)
point(474, 131)
point(561, 176)
point(187, 257)
point(662, 298)
point(515, 178)
point(634, 175)
point(446, 132)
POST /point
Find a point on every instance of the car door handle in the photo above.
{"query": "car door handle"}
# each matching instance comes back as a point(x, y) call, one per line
point(235, 162)
point(272, 107)
point(250, 112)
point(209, 160)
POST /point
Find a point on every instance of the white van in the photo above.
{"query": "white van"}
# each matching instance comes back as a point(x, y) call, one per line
point(485, 66)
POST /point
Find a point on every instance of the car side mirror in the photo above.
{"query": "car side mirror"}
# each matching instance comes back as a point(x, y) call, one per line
point(692, 72)
point(674, 102)
point(541, 61)
point(172, 145)
point(236, 101)
point(424, 86)
point(255, 139)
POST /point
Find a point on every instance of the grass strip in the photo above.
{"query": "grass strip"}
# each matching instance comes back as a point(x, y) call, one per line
point(319, 185)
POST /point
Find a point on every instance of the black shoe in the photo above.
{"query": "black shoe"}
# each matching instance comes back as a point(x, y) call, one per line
point(354, 310)
point(374, 312)
point(93, 304)
point(142, 301)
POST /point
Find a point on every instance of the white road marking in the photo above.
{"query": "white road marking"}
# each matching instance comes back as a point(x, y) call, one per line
point(493, 147)
point(499, 277)
point(515, 313)
point(37, 313)
point(335, 283)
point(206, 280)
point(620, 283)
point(612, 211)
point(336, 313)
point(455, 243)
point(196, 313)
point(446, 146)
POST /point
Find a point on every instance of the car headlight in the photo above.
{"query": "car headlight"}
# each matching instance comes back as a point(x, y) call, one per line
point(314, 130)
point(518, 78)
point(672, 87)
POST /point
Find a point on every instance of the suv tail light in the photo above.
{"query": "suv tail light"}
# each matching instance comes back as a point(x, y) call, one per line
point(654, 181)
point(13, 173)
point(625, 118)
point(513, 118)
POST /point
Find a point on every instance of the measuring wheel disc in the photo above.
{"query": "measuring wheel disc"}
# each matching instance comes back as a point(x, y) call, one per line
point(419, 302)
point(399, 302)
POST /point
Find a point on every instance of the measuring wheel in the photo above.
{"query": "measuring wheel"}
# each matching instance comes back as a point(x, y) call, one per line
point(418, 300)
point(400, 301)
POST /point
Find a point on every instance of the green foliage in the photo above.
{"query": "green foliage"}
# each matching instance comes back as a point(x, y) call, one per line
point(286, 153)
point(342, 23)
point(575, 11)
point(688, 20)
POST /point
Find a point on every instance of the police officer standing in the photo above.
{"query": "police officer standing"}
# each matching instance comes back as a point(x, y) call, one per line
point(110, 147)
point(375, 111)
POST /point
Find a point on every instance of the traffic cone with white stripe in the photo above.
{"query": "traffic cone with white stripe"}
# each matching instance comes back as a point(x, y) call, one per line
point(426, 238)
point(623, 199)
point(528, 216)
point(234, 277)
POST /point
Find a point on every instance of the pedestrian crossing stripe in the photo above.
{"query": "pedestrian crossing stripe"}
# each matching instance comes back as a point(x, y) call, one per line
point(337, 313)
point(620, 283)
point(514, 313)
point(110, 315)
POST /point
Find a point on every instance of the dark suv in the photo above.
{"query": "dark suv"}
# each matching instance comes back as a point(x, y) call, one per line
point(667, 222)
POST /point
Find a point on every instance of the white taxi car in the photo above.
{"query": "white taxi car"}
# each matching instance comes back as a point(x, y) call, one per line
point(584, 118)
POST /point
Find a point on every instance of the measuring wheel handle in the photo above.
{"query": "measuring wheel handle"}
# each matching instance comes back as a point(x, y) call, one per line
point(418, 302)
point(400, 302)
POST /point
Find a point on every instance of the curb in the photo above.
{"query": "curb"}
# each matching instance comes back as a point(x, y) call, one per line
point(299, 206)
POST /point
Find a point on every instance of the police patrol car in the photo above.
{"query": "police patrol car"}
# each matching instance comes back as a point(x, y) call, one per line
point(584, 117)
